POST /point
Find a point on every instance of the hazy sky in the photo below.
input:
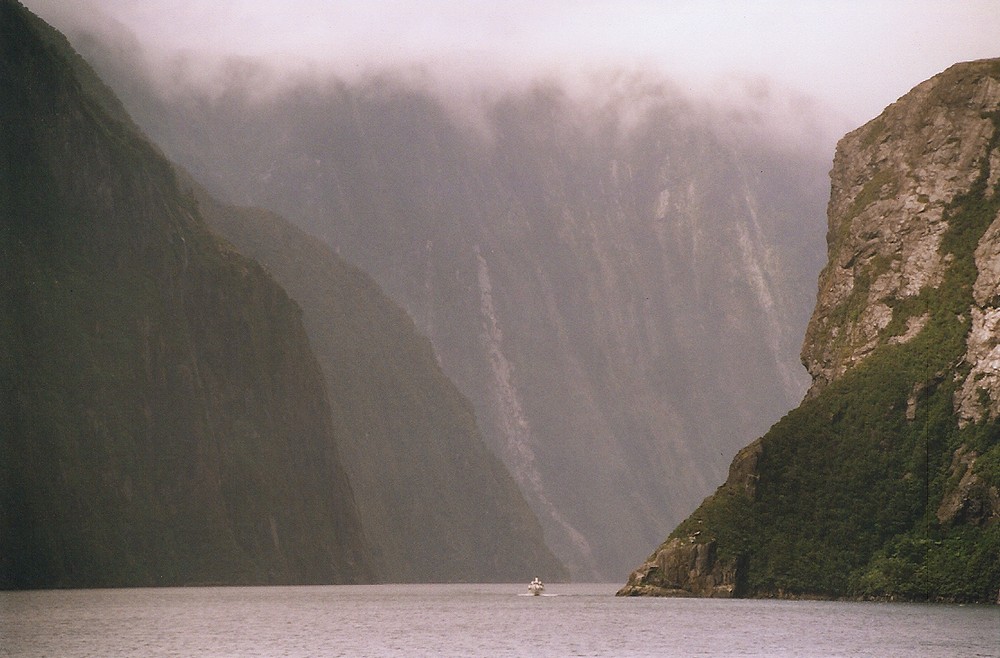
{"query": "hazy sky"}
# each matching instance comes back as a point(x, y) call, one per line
point(855, 56)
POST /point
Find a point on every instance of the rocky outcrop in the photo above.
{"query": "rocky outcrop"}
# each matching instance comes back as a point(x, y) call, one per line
point(743, 473)
point(892, 181)
point(969, 499)
point(683, 567)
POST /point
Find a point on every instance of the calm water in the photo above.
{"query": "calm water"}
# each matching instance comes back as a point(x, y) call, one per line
point(474, 620)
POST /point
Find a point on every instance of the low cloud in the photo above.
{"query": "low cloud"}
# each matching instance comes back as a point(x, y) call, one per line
point(854, 57)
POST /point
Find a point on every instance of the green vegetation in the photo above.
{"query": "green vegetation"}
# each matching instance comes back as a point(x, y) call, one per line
point(960, 565)
point(876, 131)
point(724, 516)
point(882, 185)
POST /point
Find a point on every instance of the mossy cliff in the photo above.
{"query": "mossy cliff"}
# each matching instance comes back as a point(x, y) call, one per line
point(884, 482)
point(162, 417)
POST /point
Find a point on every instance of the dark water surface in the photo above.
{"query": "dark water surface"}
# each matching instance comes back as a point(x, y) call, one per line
point(474, 620)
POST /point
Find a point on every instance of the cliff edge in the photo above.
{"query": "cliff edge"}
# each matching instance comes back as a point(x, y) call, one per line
point(884, 482)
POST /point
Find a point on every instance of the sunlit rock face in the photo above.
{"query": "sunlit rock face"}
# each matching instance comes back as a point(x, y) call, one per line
point(608, 281)
point(891, 182)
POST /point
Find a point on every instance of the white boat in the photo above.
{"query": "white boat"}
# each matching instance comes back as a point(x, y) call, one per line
point(536, 587)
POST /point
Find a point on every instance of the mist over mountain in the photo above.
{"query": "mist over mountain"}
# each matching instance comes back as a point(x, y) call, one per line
point(608, 277)
point(170, 415)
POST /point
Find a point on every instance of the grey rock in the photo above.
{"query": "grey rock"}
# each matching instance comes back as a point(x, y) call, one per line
point(891, 181)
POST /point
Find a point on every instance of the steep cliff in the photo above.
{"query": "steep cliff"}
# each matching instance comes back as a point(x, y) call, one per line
point(605, 279)
point(884, 482)
point(163, 420)
point(437, 504)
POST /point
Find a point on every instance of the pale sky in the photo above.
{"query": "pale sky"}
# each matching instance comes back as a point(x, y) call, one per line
point(854, 56)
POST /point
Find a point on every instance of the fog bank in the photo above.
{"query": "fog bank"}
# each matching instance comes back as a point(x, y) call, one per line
point(853, 57)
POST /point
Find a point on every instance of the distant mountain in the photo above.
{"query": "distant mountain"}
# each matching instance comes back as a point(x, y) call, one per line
point(608, 281)
point(437, 505)
point(172, 380)
point(163, 420)
point(885, 482)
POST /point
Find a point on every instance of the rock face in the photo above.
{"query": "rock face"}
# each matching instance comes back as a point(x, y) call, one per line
point(606, 286)
point(884, 482)
point(683, 567)
point(972, 500)
point(163, 420)
point(892, 180)
point(437, 505)
point(978, 398)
